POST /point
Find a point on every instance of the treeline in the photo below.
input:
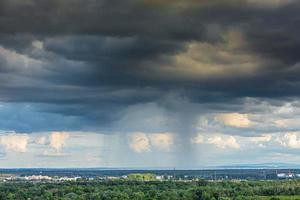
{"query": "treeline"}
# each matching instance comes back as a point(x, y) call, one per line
point(151, 190)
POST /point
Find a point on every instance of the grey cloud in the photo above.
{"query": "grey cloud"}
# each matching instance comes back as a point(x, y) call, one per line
point(99, 58)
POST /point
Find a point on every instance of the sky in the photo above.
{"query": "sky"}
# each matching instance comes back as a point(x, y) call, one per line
point(149, 83)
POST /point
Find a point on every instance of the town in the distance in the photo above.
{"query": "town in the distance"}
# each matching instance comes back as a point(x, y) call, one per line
point(61, 175)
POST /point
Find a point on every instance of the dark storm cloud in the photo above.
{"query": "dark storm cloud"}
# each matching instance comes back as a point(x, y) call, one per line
point(92, 59)
point(115, 18)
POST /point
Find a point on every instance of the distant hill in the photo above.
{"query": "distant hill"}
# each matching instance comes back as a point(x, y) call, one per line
point(261, 166)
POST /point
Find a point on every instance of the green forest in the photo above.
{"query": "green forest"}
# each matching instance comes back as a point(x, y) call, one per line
point(151, 190)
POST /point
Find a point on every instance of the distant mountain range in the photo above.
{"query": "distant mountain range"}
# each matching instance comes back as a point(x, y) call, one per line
point(233, 166)
point(261, 166)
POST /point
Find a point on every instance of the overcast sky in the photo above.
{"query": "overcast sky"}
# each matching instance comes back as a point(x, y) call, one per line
point(149, 83)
